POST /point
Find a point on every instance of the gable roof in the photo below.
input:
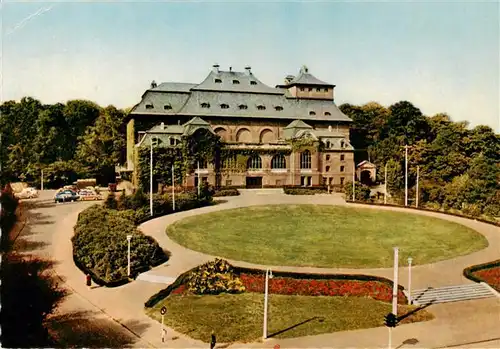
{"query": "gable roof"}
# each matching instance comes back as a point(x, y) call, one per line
point(298, 124)
point(305, 78)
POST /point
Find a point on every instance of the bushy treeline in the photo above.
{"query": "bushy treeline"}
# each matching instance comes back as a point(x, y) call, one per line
point(459, 166)
point(67, 141)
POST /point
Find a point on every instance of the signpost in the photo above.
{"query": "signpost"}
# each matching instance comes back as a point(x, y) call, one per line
point(163, 311)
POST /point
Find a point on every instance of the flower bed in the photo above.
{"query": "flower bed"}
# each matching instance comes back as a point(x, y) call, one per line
point(487, 272)
point(491, 276)
point(302, 285)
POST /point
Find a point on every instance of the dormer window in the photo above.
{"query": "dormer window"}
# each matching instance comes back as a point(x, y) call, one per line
point(342, 144)
point(205, 105)
point(218, 81)
point(149, 106)
point(253, 82)
point(167, 107)
point(261, 107)
point(312, 113)
point(236, 82)
point(302, 89)
point(173, 141)
point(224, 106)
point(310, 89)
point(318, 90)
point(327, 113)
point(278, 108)
point(242, 106)
point(326, 90)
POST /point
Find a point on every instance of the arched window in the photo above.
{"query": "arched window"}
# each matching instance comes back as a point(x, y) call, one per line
point(224, 106)
point(254, 163)
point(205, 105)
point(243, 106)
point(312, 113)
point(278, 108)
point(305, 159)
point(230, 162)
point(342, 144)
point(218, 81)
point(261, 107)
point(278, 162)
point(327, 113)
point(328, 144)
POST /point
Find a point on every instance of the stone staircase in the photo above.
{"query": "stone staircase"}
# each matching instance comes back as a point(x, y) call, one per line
point(452, 293)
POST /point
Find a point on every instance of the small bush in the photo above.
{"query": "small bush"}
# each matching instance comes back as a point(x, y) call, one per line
point(111, 201)
point(7, 216)
point(226, 192)
point(304, 190)
point(213, 278)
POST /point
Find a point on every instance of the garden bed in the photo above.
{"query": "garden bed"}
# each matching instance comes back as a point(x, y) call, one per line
point(487, 272)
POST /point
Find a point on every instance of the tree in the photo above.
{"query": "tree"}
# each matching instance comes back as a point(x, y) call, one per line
point(102, 146)
point(78, 115)
point(406, 121)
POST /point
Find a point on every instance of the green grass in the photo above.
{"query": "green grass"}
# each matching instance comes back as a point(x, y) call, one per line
point(238, 317)
point(324, 236)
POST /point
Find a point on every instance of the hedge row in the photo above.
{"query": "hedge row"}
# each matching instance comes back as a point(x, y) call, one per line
point(7, 216)
point(427, 210)
point(100, 246)
point(469, 271)
point(183, 278)
point(226, 192)
point(298, 190)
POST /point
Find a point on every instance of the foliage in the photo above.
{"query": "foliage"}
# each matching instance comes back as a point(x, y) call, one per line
point(29, 295)
point(362, 191)
point(289, 190)
point(100, 244)
point(111, 202)
point(8, 206)
point(226, 192)
point(214, 277)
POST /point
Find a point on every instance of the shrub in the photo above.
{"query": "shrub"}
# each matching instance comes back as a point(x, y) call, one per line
point(213, 278)
point(100, 244)
point(7, 216)
point(362, 191)
point(111, 201)
point(303, 190)
point(226, 192)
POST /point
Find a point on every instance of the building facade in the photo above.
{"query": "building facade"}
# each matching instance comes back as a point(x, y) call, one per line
point(271, 122)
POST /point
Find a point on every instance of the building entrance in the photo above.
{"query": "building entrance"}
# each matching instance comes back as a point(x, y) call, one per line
point(254, 182)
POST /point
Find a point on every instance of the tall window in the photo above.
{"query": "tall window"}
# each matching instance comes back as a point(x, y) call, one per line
point(341, 168)
point(305, 159)
point(254, 163)
point(203, 164)
point(278, 162)
point(342, 157)
point(229, 162)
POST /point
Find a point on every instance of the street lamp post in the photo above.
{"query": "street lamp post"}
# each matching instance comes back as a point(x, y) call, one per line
point(173, 189)
point(151, 179)
point(409, 280)
point(406, 175)
point(129, 237)
point(269, 274)
point(385, 184)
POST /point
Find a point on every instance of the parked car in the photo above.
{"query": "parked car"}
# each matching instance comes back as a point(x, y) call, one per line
point(27, 193)
point(86, 194)
point(66, 195)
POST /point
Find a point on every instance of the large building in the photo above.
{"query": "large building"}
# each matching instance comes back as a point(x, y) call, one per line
point(248, 114)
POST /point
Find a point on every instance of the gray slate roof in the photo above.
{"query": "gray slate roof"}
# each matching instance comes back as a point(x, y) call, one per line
point(227, 83)
point(173, 99)
point(306, 78)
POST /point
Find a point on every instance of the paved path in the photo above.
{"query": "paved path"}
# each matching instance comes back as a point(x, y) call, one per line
point(115, 316)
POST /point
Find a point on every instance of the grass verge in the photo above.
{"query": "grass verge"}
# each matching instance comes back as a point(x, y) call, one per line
point(238, 317)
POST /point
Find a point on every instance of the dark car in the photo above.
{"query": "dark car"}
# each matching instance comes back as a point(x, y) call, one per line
point(66, 195)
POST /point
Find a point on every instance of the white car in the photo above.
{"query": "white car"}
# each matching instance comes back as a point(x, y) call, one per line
point(27, 193)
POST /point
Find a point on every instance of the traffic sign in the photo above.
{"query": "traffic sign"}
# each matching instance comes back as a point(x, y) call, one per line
point(163, 310)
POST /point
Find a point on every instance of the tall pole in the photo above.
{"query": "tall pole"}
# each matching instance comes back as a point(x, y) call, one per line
point(353, 180)
point(406, 175)
point(409, 280)
point(173, 189)
point(151, 179)
point(395, 286)
point(198, 165)
point(416, 199)
point(266, 296)
point(385, 184)
point(41, 182)
point(129, 237)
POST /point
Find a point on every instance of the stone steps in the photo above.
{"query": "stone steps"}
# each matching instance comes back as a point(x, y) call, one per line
point(451, 294)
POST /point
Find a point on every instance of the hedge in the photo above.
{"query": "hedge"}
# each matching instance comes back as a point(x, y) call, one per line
point(298, 190)
point(183, 278)
point(7, 216)
point(226, 192)
point(469, 271)
point(427, 210)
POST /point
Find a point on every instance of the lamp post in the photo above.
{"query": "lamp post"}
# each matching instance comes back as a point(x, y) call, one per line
point(353, 181)
point(406, 175)
point(385, 184)
point(409, 280)
point(416, 196)
point(151, 178)
point(129, 237)
point(173, 189)
point(269, 274)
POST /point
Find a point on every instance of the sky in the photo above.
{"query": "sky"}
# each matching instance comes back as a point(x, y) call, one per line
point(441, 56)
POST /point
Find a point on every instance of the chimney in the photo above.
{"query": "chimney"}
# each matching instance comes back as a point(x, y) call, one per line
point(230, 69)
point(153, 84)
point(330, 128)
point(215, 68)
point(162, 126)
point(249, 70)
